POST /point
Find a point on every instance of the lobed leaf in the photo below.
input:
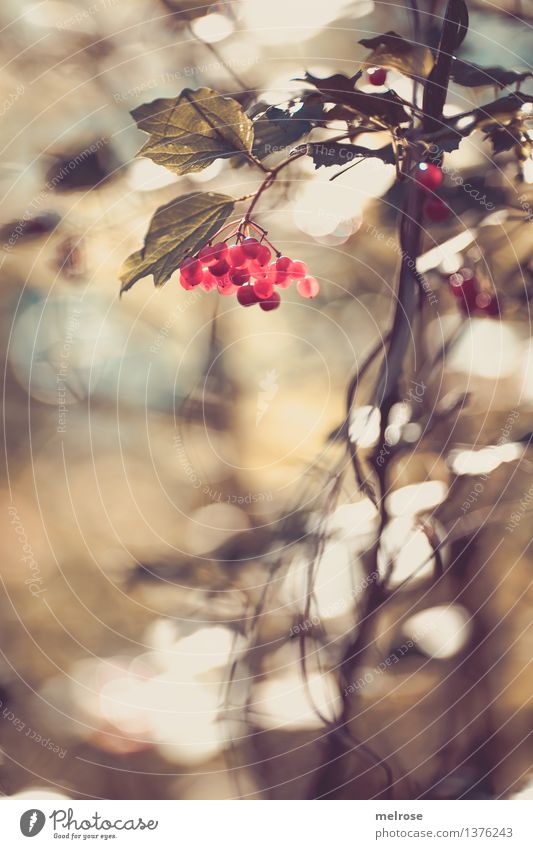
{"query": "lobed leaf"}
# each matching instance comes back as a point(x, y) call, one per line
point(392, 51)
point(339, 89)
point(504, 139)
point(189, 132)
point(469, 74)
point(277, 128)
point(337, 153)
point(177, 229)
point(503, 109)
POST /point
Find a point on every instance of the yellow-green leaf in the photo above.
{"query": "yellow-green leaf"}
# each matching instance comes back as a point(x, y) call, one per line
point(187, 133)
point(392, 51)
point(177, 229)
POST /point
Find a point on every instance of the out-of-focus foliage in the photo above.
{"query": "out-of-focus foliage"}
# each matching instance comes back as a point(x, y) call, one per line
point(167, 473)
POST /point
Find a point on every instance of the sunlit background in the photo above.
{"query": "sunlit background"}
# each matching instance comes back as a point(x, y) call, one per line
point(168, 457)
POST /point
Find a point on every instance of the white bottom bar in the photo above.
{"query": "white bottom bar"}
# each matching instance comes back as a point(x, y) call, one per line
point(268, 824)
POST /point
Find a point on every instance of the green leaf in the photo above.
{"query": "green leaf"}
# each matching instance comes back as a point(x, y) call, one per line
point(468, 74)
point(339, 89)
point(276, 129)
point(505, 138)
point(177, 229)
point(503, 109)
point(335, 83)
point(337, 153)
point(392, 51)
point(189, 132)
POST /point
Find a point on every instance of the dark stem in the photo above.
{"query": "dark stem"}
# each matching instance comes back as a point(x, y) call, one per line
point(386, 389)
point(435, 92)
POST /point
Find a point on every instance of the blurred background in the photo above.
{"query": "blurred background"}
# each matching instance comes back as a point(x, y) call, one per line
point(169, 460)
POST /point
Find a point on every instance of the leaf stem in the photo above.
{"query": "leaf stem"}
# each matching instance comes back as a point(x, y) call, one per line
point(272, 173)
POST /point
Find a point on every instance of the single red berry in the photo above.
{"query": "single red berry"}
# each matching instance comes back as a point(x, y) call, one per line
point(271, 303)
point(298, 270)
point(236, 256)
point(283, 263)
point(250, 247)
point(466, 273)
point(205, 255)
point(263, 288)
point(189, 262)
point(265, 276)
point(264, 255)
point(192, 271)
point(226, 287)
point(220, 268)
point(308, 287)
point(377, 76)
point(462, 281)
point(210, 254)
point(271, 272)
point(209, 282)
point(488, 304)
point(239, 276)
point(277, 275)
point(185, 283)
point(463, 285)
point(246, 296)
point(436, 209)
point(429, 176)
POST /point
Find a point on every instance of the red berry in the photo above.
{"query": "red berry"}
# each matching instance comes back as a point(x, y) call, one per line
point(377, 76)
point(250, 247)
point(239, 276)
point(271, 303)
point(464, 285)
point(210, 254)
point(264, 255)
point(298, 270)
point(283, 263)
point(466, 273)
point(236, 256)
point(263, 288)
point(278, 276)
point(192, 271)
point(185, 283)
point(436, 209)
point(209, 282)
point(226, 287)
point(308, 287)
point(488, 304)
point(189, 263)
point(246, 296)
point(220, 268)
point(429, 176)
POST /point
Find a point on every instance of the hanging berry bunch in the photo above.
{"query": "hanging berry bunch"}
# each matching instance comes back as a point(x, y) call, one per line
point(191, 236)
point(251, 268)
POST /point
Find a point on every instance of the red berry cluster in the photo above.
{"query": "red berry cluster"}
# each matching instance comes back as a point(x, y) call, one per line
point(430, 177)
point(246, 269)
point(471, 299)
